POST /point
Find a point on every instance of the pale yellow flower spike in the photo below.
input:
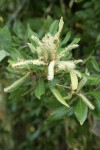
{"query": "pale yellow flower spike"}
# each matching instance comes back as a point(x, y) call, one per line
point(51, 70)
point(24, 63)
point(61, 23)
point(67, 50)
point(63, 65)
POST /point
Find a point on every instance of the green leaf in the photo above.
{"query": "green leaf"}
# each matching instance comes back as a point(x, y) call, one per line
point(53, 27)
point(82, 83)
point(74, 80)
point(58, 114)
point(5, 39)
point(95, 94)
point(86, 101)
point(58, 96)
point(93, 80)
point(75, 41)
point(35, 23)
point(96, 112)
point(95, 64)
point(40, 89)
point(81, 111)
point(66, 39)
point(47, 23)
point(18, 29)
point(16, 84)
point(3, 54)
point(30, 32)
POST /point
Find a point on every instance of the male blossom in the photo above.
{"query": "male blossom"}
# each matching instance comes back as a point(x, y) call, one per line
point(50, 54)
point(55, 59)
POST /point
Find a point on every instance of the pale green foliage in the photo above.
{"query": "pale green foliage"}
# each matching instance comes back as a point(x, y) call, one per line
point(16, 84)
point(95, 64)
point(58, 96)
point(5, 39)
point(3, 54)
point(50, 65)
point(40, 89)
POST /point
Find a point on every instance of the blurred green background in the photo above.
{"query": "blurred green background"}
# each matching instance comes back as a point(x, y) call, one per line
point(23, 124)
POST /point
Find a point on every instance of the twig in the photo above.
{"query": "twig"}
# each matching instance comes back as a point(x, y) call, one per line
point(16, 12)
point(49, 8)
point(63, 6)
point(97, 88)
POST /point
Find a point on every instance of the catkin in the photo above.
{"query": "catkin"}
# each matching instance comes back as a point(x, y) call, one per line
point(51, 70)
point(67, 49)
point(24, 64)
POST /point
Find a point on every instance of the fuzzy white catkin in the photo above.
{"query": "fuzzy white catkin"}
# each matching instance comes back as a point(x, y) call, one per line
point(61, 23)
point(49, 46)
point(33, 49)
point(36, 39)
point(63, 65)
point(25, 63)
point(51, 70)
point(67, 49)
point(78, 61)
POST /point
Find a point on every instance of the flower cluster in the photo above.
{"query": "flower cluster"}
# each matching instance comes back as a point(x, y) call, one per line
point(51, 55)
point(47, 51)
